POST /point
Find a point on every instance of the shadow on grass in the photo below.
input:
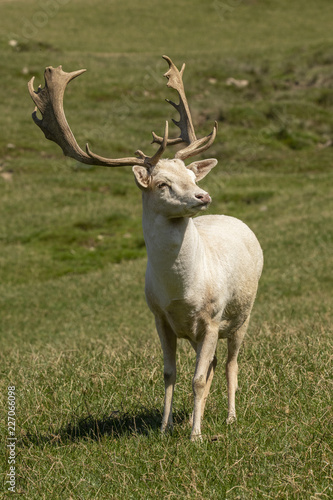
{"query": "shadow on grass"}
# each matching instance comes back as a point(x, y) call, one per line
point(116, 425)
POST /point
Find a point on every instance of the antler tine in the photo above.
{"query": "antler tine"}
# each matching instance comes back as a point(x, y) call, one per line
point(187, 133)
point(49, 101)
point(154, 159)
point(198, 146)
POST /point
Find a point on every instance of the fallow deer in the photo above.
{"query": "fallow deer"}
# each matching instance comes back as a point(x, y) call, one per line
point(202, 273)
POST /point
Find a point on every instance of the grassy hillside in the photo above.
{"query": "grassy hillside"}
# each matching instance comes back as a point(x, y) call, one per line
point(77, 339)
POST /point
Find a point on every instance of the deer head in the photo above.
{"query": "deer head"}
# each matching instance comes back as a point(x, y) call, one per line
point(167, 181)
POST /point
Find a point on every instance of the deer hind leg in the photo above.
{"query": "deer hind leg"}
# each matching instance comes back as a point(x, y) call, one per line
point(202, 379)
point(209, 379)
point(234, 344)
point(169, 345)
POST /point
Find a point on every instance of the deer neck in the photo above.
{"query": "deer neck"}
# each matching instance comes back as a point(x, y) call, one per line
point(174, 250)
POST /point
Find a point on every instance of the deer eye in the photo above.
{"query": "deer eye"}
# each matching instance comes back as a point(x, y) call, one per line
point(162, 185)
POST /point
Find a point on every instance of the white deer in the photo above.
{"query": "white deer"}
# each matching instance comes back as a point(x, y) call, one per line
point(202, 273)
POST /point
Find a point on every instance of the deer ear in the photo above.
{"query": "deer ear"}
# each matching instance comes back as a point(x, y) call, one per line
point(202, 168)
point(141, 176)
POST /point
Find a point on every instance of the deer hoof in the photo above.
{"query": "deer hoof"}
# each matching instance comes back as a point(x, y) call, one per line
point(167, 429)
point(196, 438)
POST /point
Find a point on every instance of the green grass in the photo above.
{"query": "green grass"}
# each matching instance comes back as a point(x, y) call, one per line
point(77, 339)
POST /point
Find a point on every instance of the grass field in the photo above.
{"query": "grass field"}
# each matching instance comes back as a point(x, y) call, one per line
point(77, 339)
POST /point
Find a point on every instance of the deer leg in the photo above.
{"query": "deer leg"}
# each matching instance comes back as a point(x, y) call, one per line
point(210, 375)
point(169, 345)
point(203, 376)
point(234, 344)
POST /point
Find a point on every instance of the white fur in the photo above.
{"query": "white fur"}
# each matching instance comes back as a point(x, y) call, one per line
point(201, 280)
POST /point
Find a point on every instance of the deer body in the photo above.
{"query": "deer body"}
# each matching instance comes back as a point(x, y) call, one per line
point(202, 274)
point(208, 271)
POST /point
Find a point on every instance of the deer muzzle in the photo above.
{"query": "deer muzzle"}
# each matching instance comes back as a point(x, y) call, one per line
point(204, 198)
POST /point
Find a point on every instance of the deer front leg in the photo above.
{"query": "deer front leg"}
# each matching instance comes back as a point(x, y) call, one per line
point(234, 344)
point(210, 375)
point(169, 345)
point(202, 379)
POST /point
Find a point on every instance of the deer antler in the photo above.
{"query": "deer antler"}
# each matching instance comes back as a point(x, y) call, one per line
point(187, 133)
point(49, 101)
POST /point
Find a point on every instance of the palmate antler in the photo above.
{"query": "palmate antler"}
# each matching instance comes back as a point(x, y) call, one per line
point(49, 101)
point(187, 133)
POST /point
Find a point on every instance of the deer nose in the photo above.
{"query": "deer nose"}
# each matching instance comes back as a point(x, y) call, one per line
point(203, 197)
